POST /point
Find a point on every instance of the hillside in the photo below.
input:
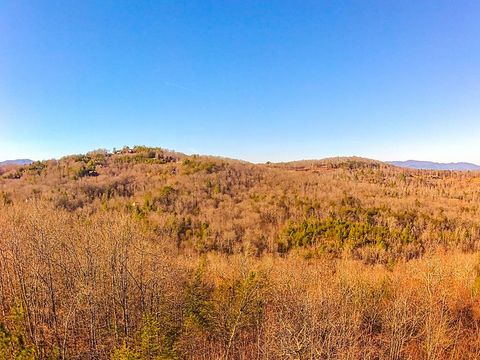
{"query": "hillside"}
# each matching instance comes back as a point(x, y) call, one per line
point(368, 209)
point(145, 253)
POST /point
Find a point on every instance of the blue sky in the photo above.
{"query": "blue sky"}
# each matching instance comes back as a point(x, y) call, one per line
point(255, 80)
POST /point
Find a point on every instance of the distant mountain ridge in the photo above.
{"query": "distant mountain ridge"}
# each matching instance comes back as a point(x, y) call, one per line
point(16, 162)
point(429, 165)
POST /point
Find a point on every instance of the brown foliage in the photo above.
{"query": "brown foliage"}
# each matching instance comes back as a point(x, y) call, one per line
point(165, 256)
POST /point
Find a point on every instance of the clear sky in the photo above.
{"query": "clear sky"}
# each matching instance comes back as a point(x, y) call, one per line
point(256, 80)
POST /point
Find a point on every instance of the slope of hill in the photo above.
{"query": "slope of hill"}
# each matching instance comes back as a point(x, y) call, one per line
point(428, 165)
point(366, 208)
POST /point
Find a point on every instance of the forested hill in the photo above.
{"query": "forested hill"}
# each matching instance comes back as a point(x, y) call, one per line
point(145, 253)
point(335, 207)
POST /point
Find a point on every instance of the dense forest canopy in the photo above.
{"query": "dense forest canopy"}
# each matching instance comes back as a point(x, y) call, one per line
point(363, 208)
